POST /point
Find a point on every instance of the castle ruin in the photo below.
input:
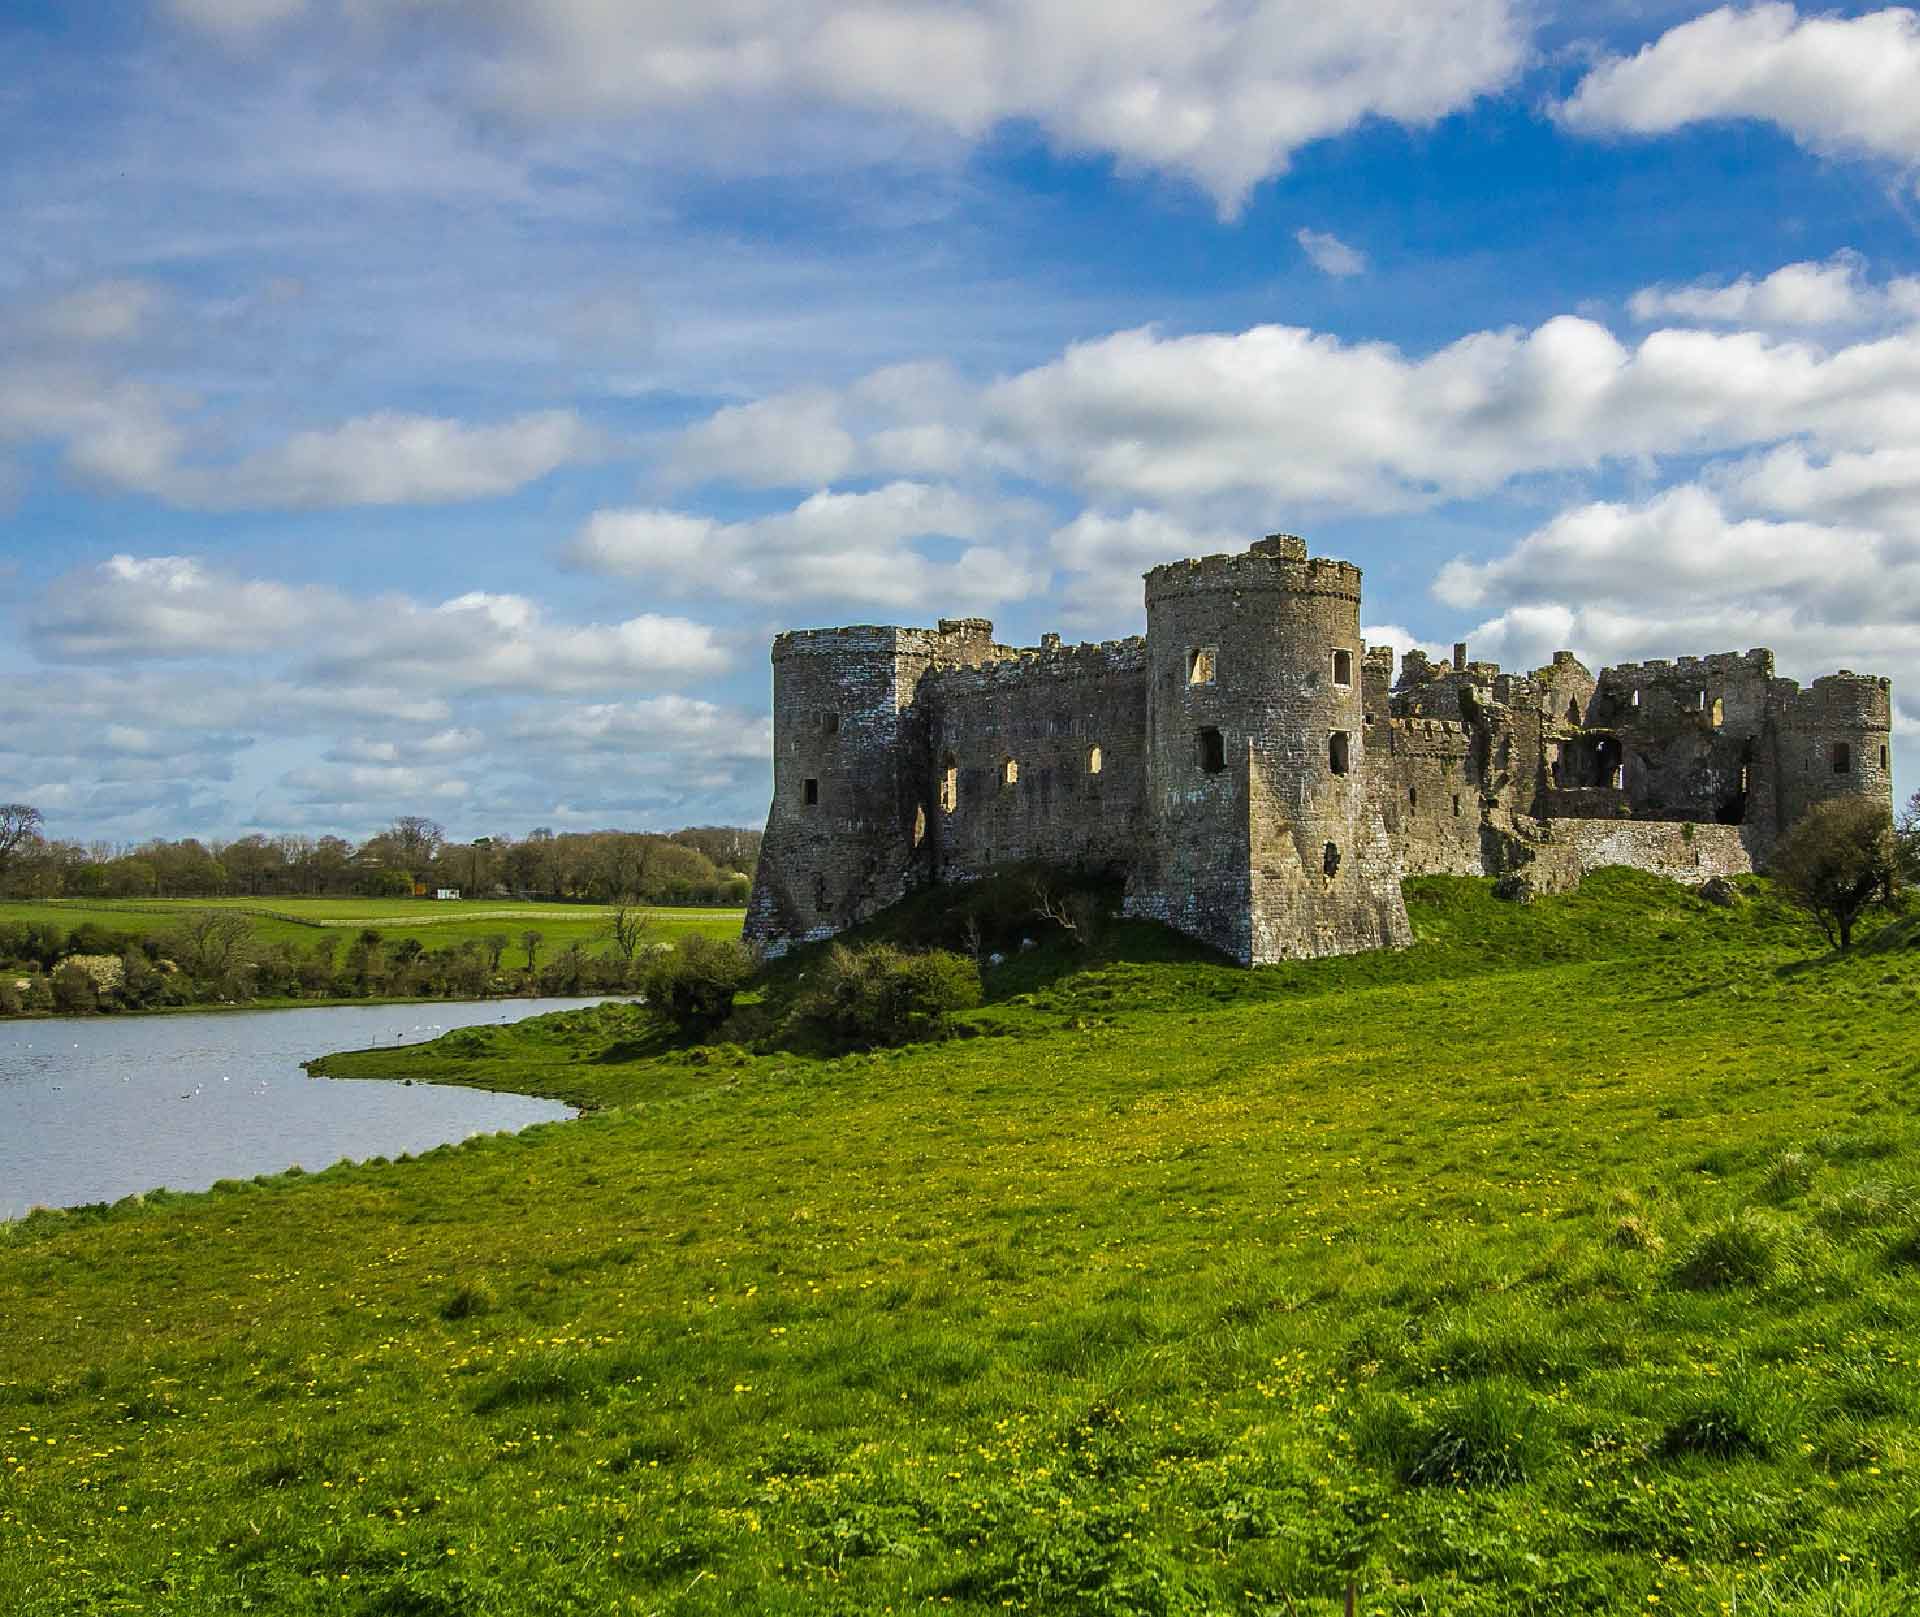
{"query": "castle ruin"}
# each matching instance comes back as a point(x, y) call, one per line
point(1258, 777)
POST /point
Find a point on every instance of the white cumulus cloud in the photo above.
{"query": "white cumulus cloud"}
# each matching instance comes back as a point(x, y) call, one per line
point(866, 548)
point(1836, 84)
point(1220, 93)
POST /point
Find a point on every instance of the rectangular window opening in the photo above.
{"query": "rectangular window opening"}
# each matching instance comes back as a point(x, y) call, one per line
point(831, 724)
point(810, 791)
point(1213, 751)
point(1200, 665)
point(1883, 755)
point(1842, 758)
point(1456, 805)
point(1338, 752)
point(1343, 668)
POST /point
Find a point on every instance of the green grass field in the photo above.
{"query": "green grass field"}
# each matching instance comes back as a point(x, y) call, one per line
point(1568, 1262)
point(301, 921)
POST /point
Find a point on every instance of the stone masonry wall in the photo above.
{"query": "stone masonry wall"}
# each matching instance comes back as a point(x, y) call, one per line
point(1069, 725)
point(1258, 777)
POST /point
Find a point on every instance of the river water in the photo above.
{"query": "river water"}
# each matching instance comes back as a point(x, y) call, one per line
point(96, 1108)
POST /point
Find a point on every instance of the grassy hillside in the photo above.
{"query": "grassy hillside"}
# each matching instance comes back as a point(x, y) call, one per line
point(436, 925)
point(1569, 1261)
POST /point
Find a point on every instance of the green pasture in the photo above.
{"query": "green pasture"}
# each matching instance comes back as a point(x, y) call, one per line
point(436, 924)
point(1567, 1262)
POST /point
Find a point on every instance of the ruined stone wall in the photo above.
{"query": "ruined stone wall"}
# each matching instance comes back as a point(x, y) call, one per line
point(1257, 775)
point(1069, 724)
point(1421, 773)
point(1680, 851)
point(1692, 739)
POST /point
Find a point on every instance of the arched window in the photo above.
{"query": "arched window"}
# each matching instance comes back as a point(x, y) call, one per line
point(919, 825)
point(1717, 715)
point(1573, 711)
point(1094, 760)
point(1337, 752)
point(1010, 772)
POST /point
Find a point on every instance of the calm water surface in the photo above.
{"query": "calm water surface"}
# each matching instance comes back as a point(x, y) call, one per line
point(95, 1108)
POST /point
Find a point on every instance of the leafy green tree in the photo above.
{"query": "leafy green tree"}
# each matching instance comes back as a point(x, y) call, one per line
point(1840, 858)
point(530, 941)
point(19, 824)
point(211, 945)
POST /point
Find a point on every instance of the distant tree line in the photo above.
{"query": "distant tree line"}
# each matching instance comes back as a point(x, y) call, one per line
point(217, 957)
point(699, 865)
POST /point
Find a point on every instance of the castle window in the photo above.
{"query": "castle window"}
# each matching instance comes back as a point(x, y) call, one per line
point(1717, 715)
point(1636, 698)
point(1213, 751)
point(1456, 805)
point(1842, 758)
point(1337, 752)
point(1883, 755)
point(1573, 712)
point(830, 724)
point(1010, 772)
point(919, 826)
point(1619, 777)
point(1200, 665)
point(1343, 668)
point(1330, 860)
point(1700, 700)
point(1413, 797)
point(810, 792)
point(949, 784)
point(1094, 760)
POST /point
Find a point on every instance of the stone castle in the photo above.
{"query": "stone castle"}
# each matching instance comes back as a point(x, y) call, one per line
point(1256, 774)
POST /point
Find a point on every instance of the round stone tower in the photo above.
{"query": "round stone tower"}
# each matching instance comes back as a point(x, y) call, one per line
point(1262, 838)
point(1835, 739)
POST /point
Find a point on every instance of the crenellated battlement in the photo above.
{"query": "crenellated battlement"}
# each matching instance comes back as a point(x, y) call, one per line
point(1279, 563)
point(1255, 773)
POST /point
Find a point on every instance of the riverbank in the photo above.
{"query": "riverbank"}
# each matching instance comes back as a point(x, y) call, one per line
point(1564, 1262)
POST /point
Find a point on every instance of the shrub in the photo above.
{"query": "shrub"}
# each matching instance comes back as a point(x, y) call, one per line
point(693, 986)
point(73, 991)
point(882, 995)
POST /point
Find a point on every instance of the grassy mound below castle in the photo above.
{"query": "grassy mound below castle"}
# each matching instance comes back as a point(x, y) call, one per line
point(1569, 1261)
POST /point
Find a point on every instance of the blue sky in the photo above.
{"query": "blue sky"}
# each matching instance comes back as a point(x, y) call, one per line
point(434, 406)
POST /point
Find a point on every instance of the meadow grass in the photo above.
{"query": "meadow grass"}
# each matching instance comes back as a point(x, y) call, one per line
point(1565, 1262)
point(435, 924)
